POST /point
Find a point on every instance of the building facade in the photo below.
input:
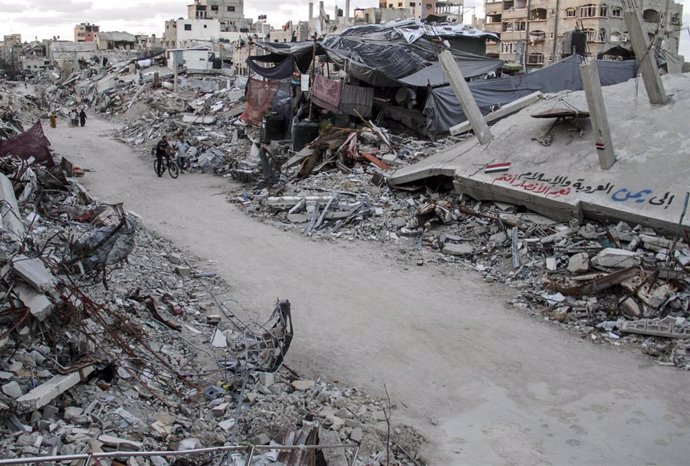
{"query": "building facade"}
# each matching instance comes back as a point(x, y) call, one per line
point(185, 33)
point(533, 32)
point(85, 32)
point(418, 9)
point(229, 13)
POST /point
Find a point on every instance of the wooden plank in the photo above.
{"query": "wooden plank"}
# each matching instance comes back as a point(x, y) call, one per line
point(597, 110)
point(464, 95)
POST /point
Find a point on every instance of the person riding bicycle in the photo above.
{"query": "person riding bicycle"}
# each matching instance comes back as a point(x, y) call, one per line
point(163, 149)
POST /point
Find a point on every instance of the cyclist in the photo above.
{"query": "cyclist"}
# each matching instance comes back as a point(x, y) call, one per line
point(163, 149)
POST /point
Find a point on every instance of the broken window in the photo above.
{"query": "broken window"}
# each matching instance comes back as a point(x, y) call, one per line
point(521, 25)
point(588, 11)
point(651, 16)
point(231, 8)
point(603, 10)
point(535, 58)
point(591, 35)
point(616, 12)
point(602, 35)
point(570, 12)
point(538, 14)
point(615, 37)
point(187, 27)
point(214, 7)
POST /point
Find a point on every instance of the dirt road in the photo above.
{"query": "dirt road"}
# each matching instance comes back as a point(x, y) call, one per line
point(484, 383)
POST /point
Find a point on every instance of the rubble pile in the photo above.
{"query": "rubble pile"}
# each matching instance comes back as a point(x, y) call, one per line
point(610, 283)
point(18, 111)
point(145, 100)
point(111, 340)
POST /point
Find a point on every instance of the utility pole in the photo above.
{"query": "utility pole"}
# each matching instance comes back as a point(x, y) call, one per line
point(557, 18)
point(526, 51)
point(643, 54)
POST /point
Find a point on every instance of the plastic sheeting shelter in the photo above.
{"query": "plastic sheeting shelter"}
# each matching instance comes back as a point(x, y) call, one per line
point(443, 110)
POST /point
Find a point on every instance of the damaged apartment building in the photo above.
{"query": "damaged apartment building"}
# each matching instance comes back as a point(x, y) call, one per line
point(537, 34)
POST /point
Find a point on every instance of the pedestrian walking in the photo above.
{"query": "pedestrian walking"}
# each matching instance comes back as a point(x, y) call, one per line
point(74, 116)
point(53, 119)
point(82, 117)
point(182, 146)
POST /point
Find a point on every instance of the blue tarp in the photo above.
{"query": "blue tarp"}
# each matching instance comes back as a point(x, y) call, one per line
point(443, 110)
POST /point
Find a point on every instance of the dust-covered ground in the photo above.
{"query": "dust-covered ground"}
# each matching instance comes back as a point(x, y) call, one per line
point(485, 384)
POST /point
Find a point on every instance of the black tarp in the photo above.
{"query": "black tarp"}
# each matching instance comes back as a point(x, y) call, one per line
point(385, 59)
point(443, 110)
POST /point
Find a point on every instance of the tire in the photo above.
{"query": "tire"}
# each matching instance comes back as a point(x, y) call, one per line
point(158, 168)
point(173, 169)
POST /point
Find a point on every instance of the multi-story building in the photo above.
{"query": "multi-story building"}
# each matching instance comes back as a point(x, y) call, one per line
point(11, 49)
point(230, 14)
point(85, 32)
point(419, 8)
point(535, 30)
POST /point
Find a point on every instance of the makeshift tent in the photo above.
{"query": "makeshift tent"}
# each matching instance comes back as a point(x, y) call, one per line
point(443, 110)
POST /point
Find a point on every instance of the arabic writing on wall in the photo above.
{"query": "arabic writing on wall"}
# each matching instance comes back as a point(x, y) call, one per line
point(539, 183)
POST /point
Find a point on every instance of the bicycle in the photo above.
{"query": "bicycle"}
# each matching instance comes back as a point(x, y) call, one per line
point(168, 163)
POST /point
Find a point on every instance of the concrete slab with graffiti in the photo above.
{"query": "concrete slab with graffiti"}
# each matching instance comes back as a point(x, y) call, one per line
point(555, 171)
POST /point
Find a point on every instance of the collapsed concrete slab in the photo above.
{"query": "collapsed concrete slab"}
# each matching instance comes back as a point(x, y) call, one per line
point(48, 391)
point(562, 179)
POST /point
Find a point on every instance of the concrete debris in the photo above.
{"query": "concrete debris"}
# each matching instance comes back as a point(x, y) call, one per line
point(128, 366)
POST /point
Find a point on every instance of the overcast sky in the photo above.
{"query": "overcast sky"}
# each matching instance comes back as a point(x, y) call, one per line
point(43, 19)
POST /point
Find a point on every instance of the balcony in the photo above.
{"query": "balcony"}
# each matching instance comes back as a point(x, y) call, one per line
point(512, 36)
point(493, 27)
point(515, 14)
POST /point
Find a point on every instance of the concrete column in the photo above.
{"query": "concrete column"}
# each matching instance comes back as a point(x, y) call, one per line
point(597, 112)
point(347, 11)
point(464, 95)
point(644, 54)
point(311, 10)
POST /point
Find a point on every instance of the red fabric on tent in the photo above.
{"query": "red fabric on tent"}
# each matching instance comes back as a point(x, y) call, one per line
point(31, 143)
point(259, 100)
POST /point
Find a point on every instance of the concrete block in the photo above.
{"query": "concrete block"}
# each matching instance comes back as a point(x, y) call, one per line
point(303, 385)
point(227, 424)
point(121, 444)
point(183, 271)
point(12, 389)
point(461, 249)
point(615, 258)
point(578, 263)
point(551, 264)
point(670, 327)
point(218, 339)
point(266, 378)
point(34, 272)
point(72, 412)
point(46, 392)
point(38, 303)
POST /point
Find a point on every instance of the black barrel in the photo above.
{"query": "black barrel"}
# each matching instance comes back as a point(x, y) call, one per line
point(303, 133)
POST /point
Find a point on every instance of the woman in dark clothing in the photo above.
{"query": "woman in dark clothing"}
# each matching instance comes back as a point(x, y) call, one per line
point(82, 117)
